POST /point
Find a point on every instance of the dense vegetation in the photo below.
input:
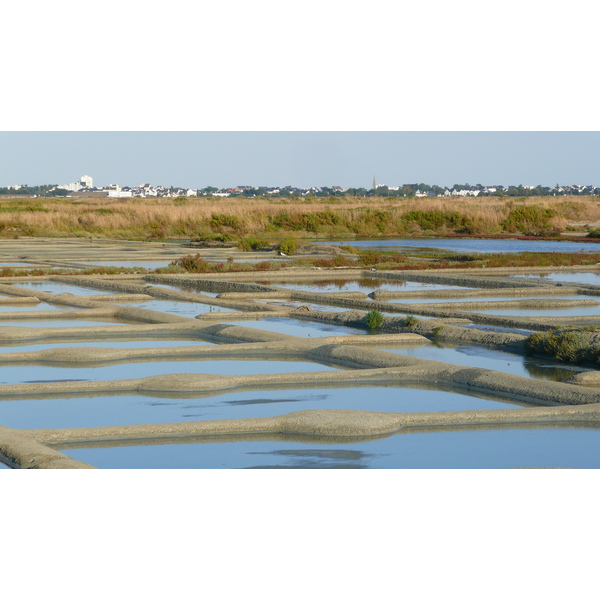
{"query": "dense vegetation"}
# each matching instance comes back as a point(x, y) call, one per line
point(567, 345)
point(230, 220)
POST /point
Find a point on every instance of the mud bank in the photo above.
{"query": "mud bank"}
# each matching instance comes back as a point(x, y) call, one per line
point(321, 424)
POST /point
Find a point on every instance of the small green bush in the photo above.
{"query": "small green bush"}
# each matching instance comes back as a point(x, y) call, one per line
point(530, 220)
point(192, 264)
point(593, 233)
point(221, 220)
point(288, 246)
point(250, 244)
point(566, 345)
point(410, 321)
point(374, 319)
point(432, 220)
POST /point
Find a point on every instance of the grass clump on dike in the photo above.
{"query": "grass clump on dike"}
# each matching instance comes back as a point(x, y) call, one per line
point(571, 345)
point(374, 320)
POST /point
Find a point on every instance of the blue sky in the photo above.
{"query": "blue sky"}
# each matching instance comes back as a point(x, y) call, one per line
point(303, 159)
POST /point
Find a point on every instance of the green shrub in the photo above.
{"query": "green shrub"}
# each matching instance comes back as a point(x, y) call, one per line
point(566, 345)
point(250, 244)
point(432, 220)
point(220, 220)
point(312, 222)
point(410, 321)
point(593, 233)
point(530, 220)
point(374, 319)
point(192, 264)
point(288, 246)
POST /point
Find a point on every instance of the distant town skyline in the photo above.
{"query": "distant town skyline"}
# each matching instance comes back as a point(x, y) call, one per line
point(300, 159)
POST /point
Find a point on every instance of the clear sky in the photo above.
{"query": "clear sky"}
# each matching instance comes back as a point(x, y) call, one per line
point(302, 159)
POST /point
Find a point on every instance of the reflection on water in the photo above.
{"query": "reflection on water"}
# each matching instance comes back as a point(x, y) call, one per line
point(474, 245)
point(34, 307)
point(485, 358)
point(55, 287)
point(483, 299)
point(134, 370)
point(148, 342)
point(146, 264)
point(355, 285)
point(579, 277)
point(106, 410)
point(297, 327)
point(181, 308)
point(185, 288)
point(549, 447)
point(578, 311)
point(316, 459)
point(59, 323)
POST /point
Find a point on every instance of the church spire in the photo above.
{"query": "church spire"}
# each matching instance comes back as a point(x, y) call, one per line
point(374, 183)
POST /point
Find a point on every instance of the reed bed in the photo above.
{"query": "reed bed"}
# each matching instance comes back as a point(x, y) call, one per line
point(201, 218)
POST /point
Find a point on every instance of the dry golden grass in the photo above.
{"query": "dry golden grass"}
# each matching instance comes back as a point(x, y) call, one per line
point(188, 217)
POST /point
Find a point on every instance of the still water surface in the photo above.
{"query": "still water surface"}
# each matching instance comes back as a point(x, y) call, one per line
point(56, 287)
point(134, 370)
point(146, 343)
point(550, 447)
point(106, 410)
point(486, 358)
point(472, 245)
point(299, 328)
point(32, 307)
point(361, 285)
point(183, 309)
point(583, 277)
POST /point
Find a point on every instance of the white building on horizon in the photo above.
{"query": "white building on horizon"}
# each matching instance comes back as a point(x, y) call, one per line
point(85, 182)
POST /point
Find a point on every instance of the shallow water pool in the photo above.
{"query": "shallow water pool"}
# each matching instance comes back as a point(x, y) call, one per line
point(186, 288)
point(181, 308)
point(133, 370)
point(474, 245)
point(298, 327)
point(136, 409)
point(579, 311)
point(360, 285)
point(56, 287)
point(487, 299)
point(587, 277)
point(485, 358)
point(146, 264)
point(32, 307)
point(145, 343)
point(550, 447)
point(67, 323)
